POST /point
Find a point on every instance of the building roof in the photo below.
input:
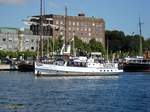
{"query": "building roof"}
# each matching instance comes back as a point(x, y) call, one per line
point(77, 16)
point(8, 30)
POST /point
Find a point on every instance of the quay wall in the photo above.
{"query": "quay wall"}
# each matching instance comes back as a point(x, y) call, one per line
point(7, 67)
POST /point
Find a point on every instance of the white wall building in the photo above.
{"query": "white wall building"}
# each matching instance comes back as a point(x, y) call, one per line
point(13, 39)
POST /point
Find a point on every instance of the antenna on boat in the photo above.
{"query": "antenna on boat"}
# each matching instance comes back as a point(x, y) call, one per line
point(140, 29)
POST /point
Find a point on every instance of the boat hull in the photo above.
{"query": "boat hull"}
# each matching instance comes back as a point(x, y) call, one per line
point(24, 67)
point(55, 70)
point(136, 67)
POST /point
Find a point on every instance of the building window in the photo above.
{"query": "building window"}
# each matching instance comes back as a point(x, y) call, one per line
point(61, 22)
point(69, 28)
point(26, 40)
point(101, 25)
point(26, 48)
point(93, 24)
point(10, 40)
point(69, 34)
point(89, 29)
point(61, 33)
point(70, 23)
point(32, 48)
point(32, 40)
point(4, 39)
point(97, 29)
point(57, 22)
point(89, 34)
point(73, 23)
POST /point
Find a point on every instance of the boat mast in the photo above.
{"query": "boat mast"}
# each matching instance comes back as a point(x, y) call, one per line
point(107, 50)
point(44, 17)
point(65, 28)
point(140, 29)
point(41, 28)
point(74, 52)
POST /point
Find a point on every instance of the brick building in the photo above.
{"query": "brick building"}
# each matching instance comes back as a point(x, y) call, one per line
point(81, 26)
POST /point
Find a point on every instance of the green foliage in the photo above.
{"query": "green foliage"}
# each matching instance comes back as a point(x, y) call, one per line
point(146, 45)
point(129, 44)
point(48, 45)
point(78, 43)
point(11, 54)
point(115, 40)
point(79, 46)
point(3, 54)
point(58, 44)
point(85, 48)
point(29, 54)
point(96, 46)
point(26, 54)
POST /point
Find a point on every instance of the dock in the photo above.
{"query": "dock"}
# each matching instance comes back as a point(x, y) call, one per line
point(8, 67)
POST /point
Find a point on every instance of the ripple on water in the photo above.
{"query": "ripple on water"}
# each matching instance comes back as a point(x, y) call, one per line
point(22, 92)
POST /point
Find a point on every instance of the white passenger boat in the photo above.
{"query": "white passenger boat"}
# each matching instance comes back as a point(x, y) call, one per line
point(77, 67)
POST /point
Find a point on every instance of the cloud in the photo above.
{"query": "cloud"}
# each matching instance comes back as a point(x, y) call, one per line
point(12, 2)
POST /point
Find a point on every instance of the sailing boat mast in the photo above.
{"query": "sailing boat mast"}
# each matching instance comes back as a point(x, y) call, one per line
point(41, 28)
point(107, 49)
point(140, 25)
point(65, 28)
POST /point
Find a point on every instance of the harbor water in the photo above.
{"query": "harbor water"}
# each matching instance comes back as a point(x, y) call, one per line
point(23, 92)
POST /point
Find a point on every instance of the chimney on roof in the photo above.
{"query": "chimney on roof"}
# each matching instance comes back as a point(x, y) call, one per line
point(81, 14)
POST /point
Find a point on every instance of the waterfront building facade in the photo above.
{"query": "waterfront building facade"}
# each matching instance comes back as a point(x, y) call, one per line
point(85, 28)
point(81, 26)
point(9, 39)
point(14, 39)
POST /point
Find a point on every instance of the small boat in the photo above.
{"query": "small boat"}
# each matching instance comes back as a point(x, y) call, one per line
point(137, 64)
point(26, 66)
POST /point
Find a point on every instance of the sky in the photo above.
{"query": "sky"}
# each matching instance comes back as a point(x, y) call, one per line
point(122, 15)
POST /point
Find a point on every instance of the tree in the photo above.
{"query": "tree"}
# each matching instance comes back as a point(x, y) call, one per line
point(3, 54)
point(146, 45)
point(129, 44)
point(115, 40)
point(58, 44)
point(96, 46)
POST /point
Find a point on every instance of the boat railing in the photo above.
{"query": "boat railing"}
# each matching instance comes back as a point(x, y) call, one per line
point(139, 61)
point(111, 65)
